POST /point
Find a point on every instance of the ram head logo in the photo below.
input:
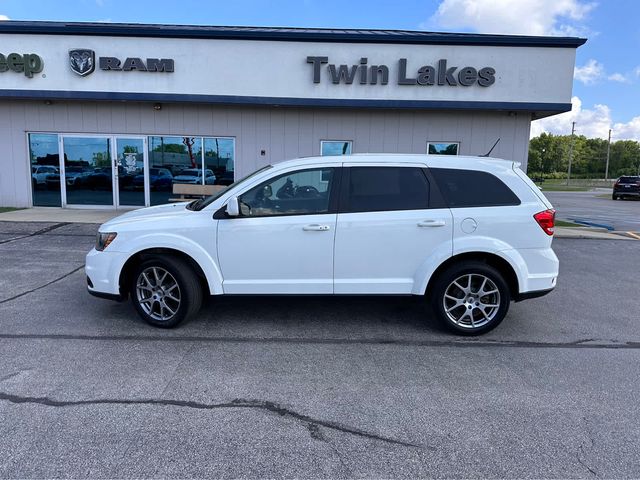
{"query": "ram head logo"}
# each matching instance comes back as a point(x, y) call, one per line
point(82, 60)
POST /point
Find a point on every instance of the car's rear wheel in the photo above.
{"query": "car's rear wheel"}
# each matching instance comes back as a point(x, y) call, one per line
point(165, 291)
point(470, 298)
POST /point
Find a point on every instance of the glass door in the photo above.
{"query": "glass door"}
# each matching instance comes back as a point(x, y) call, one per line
point(130, 172)
point(88, 175)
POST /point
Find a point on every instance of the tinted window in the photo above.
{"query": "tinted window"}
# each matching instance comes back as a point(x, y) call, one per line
point(629, 179)
point(374, 189)
point(471, 188)
point(303, 192)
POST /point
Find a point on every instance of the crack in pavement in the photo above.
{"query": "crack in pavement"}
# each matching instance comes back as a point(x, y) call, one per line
point(582, 458)
point(37, 232)
point(577, 344)
point(14, 374)
point(582, 462)
point(42, 286)
point(311, 423)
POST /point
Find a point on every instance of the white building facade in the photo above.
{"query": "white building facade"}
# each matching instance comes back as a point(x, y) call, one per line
point(114, 115)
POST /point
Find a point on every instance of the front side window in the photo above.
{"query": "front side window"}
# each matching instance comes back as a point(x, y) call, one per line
point(472, 188)
point(442, 148)
point(378, 189)
point(304, 192)
point(335, 147)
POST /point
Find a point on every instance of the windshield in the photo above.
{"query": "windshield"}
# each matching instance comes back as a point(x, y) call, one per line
point(200, 204)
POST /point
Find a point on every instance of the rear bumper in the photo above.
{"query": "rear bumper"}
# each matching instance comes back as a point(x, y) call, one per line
point(627, 193)
point(532, 294)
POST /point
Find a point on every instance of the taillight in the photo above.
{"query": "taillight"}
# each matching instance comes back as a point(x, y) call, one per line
point(546, 220)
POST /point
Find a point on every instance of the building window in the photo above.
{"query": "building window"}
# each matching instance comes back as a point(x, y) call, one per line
point(190, 160)
point(442, 148)
point(335, 147)
point(45, 169)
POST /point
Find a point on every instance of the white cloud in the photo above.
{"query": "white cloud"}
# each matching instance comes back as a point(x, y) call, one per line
point(637, 71)
point(592, 123)
point(3, 17)
point(589, 73)
point(619, 77)
point(525, 17)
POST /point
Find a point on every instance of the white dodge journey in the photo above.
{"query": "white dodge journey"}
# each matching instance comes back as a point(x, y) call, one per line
point(470, 234)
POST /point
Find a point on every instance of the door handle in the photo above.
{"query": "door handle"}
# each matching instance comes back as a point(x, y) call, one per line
point(432, 223)
point(314, 227)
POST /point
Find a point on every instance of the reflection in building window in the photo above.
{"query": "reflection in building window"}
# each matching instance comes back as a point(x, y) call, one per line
point(45, 169)
point(189, 160)
point(442, 148)
point(335, 147)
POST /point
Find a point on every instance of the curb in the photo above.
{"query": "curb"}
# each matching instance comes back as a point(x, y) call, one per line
point(590, 233)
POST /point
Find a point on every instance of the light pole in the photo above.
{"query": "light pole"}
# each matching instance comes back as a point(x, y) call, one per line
point(573, 131)
point(606, 170)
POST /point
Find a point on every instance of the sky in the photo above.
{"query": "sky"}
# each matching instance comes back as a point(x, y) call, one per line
point(606, 90)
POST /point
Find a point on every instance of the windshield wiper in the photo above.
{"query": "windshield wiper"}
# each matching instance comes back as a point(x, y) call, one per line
point(194, 204)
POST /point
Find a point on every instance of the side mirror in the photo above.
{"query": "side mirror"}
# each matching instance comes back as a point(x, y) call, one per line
point(233, 207)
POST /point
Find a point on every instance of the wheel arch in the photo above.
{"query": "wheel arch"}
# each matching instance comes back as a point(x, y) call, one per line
point(138, 257)
point(492, 259)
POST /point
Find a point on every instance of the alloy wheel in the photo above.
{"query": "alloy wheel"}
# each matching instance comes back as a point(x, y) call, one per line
point(158, 293)
point(471, 301)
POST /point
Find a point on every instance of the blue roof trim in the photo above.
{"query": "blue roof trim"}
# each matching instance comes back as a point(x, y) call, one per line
point(285, 34)
point(285, 101)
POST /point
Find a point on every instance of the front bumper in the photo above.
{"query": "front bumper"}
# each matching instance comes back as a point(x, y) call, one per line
point(103, 273)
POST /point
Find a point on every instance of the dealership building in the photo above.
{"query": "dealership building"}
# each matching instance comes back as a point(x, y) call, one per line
point(114, 115)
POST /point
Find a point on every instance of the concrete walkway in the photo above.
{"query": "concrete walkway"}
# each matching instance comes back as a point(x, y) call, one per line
point(57, 215)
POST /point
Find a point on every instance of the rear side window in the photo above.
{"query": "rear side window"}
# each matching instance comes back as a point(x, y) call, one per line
point(472, 188)
point(378, 189)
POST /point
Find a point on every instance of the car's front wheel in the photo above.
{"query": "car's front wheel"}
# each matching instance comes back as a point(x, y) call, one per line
point(165, 291)
point(470, 298)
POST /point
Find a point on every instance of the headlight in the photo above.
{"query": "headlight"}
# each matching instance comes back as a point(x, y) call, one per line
point(103, 240)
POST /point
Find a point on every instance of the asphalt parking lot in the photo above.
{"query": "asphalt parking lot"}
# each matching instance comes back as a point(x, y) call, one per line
point(314, 387)
point(598, 208)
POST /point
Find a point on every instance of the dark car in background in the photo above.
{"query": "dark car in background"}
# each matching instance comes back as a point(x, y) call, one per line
point(626, 186)
point(159, 179)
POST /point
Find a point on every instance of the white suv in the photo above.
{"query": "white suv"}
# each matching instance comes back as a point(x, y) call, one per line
point(470, 233)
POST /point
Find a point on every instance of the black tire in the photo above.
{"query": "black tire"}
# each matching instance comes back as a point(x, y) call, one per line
point(614, 197)
point(188, 287)
point(478, 323)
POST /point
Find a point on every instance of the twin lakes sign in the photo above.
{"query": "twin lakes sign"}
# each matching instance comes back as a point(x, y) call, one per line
point(83, 62)
point(439, 74)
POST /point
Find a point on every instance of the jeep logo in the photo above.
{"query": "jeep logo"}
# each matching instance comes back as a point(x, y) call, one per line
point(27, 63)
